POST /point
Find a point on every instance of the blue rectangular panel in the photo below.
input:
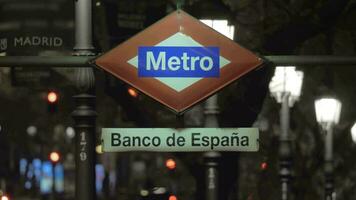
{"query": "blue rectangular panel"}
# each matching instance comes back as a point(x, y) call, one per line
point(165, 61)
point(59, 178)
point(46, 184)
point(99, 178)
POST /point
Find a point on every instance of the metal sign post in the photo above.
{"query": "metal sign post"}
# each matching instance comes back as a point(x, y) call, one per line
point(84, 114)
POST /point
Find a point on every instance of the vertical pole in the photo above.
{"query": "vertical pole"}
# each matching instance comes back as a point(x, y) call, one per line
point(211, 158)
point(329, 167)
point(84, 115)
point(179, 121)
point(83, 27)
point(285, 148)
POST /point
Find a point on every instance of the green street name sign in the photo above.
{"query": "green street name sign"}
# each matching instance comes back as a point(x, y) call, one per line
point(180, 140)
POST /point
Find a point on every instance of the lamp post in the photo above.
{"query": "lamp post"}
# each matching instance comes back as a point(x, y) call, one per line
point(285, 87)
point(211, 111)
point(211, 159)
point(328, 114)
point(84, 114)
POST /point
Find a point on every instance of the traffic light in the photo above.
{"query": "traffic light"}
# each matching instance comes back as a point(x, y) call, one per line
point(171, 164)
point(52, 101)
point(54, 157)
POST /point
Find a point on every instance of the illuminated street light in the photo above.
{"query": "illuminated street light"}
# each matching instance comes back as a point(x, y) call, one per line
point(285, 87)
point(328, 114)
point(353, 133)
point(221, 26)
point(5, 197)
point(286, 80)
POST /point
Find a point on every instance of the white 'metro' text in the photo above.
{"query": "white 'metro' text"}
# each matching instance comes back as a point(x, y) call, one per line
point(174, 63)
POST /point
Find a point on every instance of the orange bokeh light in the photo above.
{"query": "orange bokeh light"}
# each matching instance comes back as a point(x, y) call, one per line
point(54, 156)
point(172, 197)
point(52, 97)
point(171, 164)
point(132, 92)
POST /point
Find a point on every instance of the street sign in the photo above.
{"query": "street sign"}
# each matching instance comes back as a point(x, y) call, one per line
point(179, 61)
point(29, 28)
point(179, 140)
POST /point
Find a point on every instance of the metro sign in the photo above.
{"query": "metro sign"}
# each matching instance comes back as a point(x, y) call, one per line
point(179, 61)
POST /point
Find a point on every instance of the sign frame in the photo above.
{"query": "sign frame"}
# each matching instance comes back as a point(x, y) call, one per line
point(180, 140)
point(116, 61)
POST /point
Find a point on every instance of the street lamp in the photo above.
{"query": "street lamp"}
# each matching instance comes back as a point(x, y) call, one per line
point(211, 111)
point(353, 133)
point(285, 87)
point(328, 114)
point(286, 80)
point(222, 26)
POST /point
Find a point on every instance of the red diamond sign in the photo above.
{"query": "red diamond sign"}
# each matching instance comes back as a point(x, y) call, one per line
point(178, 61)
